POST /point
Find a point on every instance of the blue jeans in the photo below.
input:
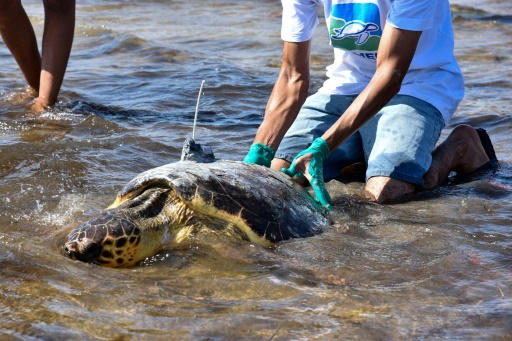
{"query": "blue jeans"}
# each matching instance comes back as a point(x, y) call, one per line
point(397, 142)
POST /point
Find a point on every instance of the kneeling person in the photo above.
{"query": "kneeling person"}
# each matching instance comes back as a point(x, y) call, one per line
point(394, 84)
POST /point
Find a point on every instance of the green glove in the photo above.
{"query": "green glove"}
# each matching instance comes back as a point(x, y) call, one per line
point(320, 151)
point(260, 154)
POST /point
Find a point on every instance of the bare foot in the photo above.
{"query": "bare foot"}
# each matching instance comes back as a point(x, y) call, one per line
point(461, 152)
point(39, 105)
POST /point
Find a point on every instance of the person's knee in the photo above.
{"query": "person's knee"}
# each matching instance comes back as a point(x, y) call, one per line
point(59, 5)
point(383, 189)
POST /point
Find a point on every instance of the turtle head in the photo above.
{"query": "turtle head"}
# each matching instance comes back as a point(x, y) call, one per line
point(129, 231)
point(108, 239)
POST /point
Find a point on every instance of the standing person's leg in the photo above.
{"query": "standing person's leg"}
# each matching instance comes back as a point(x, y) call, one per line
point(59, 26)
point(20, 39)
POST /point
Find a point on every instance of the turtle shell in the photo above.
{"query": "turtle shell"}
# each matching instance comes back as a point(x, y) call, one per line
point(265, 204)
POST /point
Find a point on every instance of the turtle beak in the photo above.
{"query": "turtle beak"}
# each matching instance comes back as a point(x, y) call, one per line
point(85, 251)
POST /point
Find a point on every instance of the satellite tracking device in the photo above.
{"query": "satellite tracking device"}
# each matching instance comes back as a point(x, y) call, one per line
point(193, 151)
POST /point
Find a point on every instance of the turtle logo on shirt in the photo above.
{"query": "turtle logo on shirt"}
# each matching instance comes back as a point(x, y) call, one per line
point(356, 29)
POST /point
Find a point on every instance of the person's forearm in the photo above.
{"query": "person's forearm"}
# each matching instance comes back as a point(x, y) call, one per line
point(288, 94)
point(287, 97)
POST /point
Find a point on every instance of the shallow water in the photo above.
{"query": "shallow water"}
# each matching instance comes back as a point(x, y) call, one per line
point(438, 266)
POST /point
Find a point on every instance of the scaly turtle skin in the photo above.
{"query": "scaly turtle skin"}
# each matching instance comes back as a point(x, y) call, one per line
point(164, 205)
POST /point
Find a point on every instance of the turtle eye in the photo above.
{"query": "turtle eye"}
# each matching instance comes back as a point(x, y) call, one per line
point(90, 251)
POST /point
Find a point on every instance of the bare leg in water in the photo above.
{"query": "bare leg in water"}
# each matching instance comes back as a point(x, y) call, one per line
point(44, 75)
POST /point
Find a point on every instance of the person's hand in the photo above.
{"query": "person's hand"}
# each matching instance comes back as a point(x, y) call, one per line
point(260, 154)
point(309, 163)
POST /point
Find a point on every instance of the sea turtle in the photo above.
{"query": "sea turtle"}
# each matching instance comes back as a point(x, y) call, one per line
point(164, 205)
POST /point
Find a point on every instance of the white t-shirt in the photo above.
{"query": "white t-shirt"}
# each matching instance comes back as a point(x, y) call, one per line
point(355, 29)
